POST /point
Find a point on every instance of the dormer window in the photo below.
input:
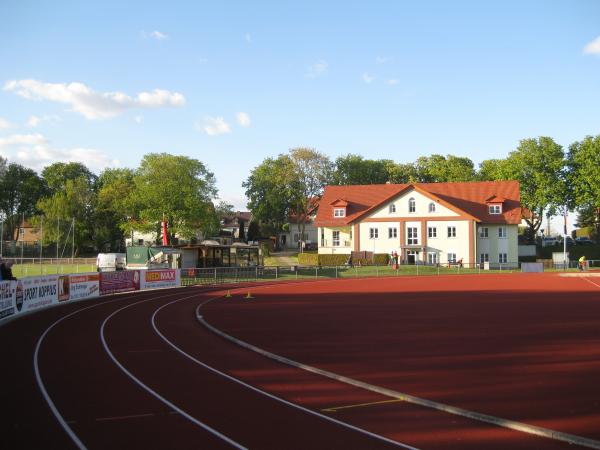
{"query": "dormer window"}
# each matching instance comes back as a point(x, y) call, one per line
point(432, 207)
point(339, 212)
point(392, 208)
point(495, 204)
point(495, 209)
point(412, 205)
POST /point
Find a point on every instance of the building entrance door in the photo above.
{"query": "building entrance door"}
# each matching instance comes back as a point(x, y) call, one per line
point(412, 256)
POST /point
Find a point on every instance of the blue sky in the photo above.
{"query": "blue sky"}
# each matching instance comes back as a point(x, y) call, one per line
point(231, 83)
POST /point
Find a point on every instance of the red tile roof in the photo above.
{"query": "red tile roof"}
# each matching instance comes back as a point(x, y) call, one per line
point(466, 198)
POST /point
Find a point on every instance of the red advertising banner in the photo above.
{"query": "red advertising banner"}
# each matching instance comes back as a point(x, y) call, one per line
point(119, 281)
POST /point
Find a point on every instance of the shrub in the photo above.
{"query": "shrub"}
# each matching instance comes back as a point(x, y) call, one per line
point(308, 259)
point(333, 260)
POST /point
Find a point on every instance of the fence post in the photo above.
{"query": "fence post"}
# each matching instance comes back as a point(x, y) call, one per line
point(377, 270)
point(215, 275)
point(438, 268)
point(275, 272)
point(316, 272)
point(417, 268)
point(256, 277)
point(336, 267)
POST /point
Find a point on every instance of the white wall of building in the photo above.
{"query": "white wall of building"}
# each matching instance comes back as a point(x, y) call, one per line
point(422, 203)
point(443, 245)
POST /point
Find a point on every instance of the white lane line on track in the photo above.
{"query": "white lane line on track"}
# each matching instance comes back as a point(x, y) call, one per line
point(267, 394)
point(63, 423)
point(506, 423)
point(131, 416)
point(590, 281)
point(154, 393)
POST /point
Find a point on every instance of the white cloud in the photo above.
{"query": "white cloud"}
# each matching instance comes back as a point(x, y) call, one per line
point(383, 59)
point(158, 35)
point(33, 150)
point(593, 48)
point(368, 78)
point(4, 124)
point(138, 119)
point(34, 121)
point(22, 139)
point(213, 126)
point(243, 119)
point(392, 82)
point(317, 69)
point(89, 103)
point(248, 38)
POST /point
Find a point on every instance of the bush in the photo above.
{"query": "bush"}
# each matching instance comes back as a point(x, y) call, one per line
point(333, 260)
point(308, 259)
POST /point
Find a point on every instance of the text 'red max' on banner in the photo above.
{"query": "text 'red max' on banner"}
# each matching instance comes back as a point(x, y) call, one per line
point(163, 278)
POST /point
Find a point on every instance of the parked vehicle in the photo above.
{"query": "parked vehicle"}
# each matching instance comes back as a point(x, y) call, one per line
point(584, 241)
point(109, 262)
point(549, 241)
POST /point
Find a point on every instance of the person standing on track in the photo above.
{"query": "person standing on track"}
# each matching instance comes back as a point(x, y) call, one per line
point(6, 270)
point(582, 264)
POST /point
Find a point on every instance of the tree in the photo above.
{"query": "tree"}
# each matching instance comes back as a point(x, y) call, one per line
point(289, 184)
point(20, 190)
point(539, 166)
point(115, 210)
point(584, 177)
point(269, 193)
point(354, 169)
point(57, 174)
point(439, 169)
point(72, 205)
point(491, 170)
point(253, 230)
point(178, 188)
point(401, 173)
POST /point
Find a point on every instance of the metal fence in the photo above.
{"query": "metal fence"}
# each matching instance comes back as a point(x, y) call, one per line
point(221, 275)
point(24, 267)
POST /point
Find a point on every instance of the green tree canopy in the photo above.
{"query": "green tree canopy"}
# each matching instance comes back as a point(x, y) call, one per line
point(57, 174)
point(439, 168)
point(178, 188)
point(584, 177)
point(539, 166)
point(20, 190)
point(354, 169)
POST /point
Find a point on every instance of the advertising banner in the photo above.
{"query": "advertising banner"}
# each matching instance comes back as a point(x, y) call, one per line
point(163, 278)
point(119, 281)
point(84, 285)
point(36, 292)
point(7, 299)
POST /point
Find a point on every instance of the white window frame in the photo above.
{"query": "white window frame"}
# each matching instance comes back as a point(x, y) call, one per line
point(432, 232)
point(431, 207)
point(502, 232)
point(392, 208)
point(451, 258)
point(392, 233)
point(484, 232)
point(451, 231)
point(339, 212)
point(335, 238)
point(373, 233)
point(484, 257)
point(432, 258)
point(412, 205)
point(495, 209)
point(503, 258)
point(412, 235)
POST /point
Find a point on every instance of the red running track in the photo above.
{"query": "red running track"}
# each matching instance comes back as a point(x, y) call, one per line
point(522, 347)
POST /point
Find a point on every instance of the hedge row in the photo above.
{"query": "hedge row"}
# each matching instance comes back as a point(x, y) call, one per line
point(314, 259)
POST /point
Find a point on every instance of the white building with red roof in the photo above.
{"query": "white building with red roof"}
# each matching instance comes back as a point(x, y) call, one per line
point(432, 223)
